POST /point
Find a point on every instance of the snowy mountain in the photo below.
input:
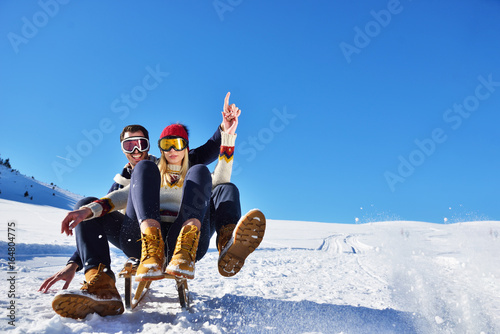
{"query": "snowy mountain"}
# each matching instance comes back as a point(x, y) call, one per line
point(17, 187)
point(384, 277)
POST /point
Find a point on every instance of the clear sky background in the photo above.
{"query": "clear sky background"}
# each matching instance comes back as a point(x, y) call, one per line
point(374, 110)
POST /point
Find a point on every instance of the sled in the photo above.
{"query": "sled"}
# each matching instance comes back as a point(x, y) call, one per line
point(132, 300)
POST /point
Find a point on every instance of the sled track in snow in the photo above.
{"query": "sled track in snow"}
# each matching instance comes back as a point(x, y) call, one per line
point(344, 244)
point(350, 244)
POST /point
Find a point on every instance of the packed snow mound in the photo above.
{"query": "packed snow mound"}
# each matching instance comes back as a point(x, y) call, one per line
point(387, 277)
point(17, 187)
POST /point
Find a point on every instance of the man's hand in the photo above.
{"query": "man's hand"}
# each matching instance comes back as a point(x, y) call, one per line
point(74, 218)
point(66, 274)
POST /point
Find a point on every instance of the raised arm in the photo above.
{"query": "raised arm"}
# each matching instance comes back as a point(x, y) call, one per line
point(230, 114)
point(209, 152)
point(224, 167)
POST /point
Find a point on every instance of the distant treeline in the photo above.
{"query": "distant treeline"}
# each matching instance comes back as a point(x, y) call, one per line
point(5, 162)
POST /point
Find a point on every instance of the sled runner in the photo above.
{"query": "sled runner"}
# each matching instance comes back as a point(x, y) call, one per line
point(131, 301)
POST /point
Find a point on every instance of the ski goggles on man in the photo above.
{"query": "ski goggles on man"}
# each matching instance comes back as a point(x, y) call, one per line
point(176, 143)
point(130, 144)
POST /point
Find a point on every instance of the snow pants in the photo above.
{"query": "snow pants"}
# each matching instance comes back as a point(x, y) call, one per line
point(213, 208)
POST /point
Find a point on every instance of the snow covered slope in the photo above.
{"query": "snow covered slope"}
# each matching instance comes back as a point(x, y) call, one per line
point(17, 187)
point(387, 277)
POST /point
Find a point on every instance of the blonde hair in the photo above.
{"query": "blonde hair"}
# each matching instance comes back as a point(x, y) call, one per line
point(166, 178)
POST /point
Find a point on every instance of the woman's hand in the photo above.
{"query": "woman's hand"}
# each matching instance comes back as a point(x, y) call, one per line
point(230, 114)
point(74, 218)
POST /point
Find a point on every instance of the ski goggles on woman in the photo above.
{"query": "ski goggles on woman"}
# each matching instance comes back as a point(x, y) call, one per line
point(130, 144)
point(176, 143)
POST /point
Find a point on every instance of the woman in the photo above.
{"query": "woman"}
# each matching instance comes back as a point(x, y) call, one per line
point(216, 211)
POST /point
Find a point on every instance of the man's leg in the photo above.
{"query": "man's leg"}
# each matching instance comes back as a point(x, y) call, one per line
point(112, 226)
point(92, 238)
point(99, 293)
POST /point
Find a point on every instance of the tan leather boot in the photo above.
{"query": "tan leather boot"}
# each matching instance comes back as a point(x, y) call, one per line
point(153, 259)
point(97, 295)
point(182, 263)
point(245, 238)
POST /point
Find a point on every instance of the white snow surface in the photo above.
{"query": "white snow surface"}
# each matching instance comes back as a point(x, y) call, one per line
point(306, 277)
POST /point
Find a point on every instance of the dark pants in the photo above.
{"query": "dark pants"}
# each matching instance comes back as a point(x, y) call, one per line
point(213, 209)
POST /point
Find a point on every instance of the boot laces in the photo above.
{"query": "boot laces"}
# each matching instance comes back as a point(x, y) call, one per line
point(226, 229)
point(186, 242)
point(150, 245)
point(86, 285)
point(225, 234)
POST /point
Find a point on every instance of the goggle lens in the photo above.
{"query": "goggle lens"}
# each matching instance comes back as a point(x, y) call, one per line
point(130, 144)
point(178, 144)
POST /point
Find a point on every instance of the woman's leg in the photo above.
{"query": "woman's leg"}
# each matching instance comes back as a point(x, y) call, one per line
point(141, 235)
point(189, 236)
point(143, 203)
point(194, 205)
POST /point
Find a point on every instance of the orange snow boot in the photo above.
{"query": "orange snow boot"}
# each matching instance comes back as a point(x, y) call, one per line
point(182, 263)
point(153, 259)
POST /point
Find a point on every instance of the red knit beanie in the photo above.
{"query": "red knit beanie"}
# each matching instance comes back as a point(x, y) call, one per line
point(175, 130)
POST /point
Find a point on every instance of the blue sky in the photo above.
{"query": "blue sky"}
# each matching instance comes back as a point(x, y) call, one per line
point(372, 110)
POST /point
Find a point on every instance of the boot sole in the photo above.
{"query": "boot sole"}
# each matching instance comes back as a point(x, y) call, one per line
point(247, 236)
point(79, 306)
point(157, 275)
point(179, 273)
point(146, 278)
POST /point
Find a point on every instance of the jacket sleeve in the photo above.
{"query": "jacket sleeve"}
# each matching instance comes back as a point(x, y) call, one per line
point(208, 152)
point(116, 200)
point(224, 167)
